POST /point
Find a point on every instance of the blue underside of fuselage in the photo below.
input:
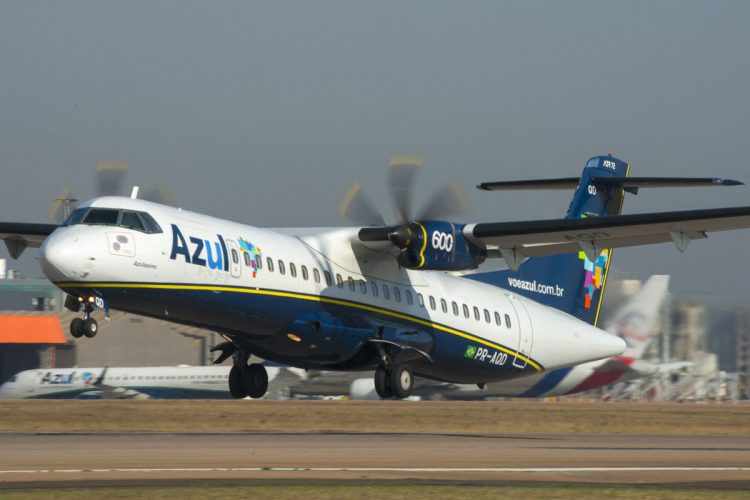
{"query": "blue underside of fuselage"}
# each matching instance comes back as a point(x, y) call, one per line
point(263, 321)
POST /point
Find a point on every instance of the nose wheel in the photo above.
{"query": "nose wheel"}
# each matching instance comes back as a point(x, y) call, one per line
point(86, 326)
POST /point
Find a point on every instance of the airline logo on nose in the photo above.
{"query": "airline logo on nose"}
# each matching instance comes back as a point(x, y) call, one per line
point(200, 252)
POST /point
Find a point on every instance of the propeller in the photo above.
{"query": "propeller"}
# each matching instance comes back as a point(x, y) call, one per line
point(110, 180)
point(447, 202)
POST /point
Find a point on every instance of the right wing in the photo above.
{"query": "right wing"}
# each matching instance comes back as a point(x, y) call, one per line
point(19, 235)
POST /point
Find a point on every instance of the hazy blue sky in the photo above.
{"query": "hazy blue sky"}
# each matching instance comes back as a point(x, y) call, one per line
point(266, 112)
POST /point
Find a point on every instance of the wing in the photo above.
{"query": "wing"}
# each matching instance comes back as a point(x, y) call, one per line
point(19, 235)
point(515, 240)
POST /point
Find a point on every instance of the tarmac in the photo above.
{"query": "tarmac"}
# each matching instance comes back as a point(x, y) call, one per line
point(70, 458)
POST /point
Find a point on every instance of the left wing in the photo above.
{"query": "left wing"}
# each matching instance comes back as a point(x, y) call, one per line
point(517, 240)
point(19, 235)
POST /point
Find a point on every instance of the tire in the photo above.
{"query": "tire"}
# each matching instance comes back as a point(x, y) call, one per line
point(90, 327)
point(256, 380)
point(76, 328)
point(402, 381)
point(236, 384)
point(382, 383)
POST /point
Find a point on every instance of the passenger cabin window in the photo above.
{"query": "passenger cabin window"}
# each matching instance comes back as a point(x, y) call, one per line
point(282, 269)
point(292, 270)
point(269, 264)
point(476, 313)
point(466, 310)
point(444, 305)
point(386, 292)
point(305, 275)
point(363, 286)
point(258, 262)
point(246, 257)
point(339, 281)
point(498, 320)
point(454, 306)
point(432, 302)
point(350, 282)
point(420, 299)
point(507, 321)
point(235, 256)
point(374, 287)
point(316, 275)
point(409, 297)
point(329, 280)
point(397, 294)
point(487, 317)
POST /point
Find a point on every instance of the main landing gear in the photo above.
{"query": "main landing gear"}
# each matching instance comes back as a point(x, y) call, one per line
point(395, 381)
point(86, 326)
point(244, 380)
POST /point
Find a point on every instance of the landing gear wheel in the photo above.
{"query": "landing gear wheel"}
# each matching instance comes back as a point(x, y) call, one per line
point(256, 380)
point(89, 327)
point(401, 381)
point(236, 385)
point(76, 328)
point(382, 383)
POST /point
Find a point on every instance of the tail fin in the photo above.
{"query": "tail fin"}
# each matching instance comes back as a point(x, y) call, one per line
point(636, 321)
point(571, 282)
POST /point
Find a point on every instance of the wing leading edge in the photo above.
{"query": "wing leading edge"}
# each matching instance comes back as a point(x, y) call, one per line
point(517, 240)
point(19, 235)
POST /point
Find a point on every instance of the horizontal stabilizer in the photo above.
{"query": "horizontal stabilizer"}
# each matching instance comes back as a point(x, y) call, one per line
point(630, 184)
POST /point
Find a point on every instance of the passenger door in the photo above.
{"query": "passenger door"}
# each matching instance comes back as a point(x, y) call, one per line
point(525, 332)
point(235, 259)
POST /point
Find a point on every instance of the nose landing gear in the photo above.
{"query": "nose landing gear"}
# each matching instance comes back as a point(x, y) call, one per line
point(86, 326)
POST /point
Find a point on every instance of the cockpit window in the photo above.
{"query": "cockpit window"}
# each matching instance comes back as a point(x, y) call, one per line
point(76, 217)
point(131, 220)
point(105, 216)
point(138, 221)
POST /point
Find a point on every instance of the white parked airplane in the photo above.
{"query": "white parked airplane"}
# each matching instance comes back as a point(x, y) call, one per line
point(162, 382)
point(377, 297)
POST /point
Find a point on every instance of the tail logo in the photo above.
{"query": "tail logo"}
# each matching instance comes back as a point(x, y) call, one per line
point(594, 277)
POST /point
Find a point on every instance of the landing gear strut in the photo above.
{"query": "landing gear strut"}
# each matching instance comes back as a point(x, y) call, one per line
point(86, 326)
point(247, 380)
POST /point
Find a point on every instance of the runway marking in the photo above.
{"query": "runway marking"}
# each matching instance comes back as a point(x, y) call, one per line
point(375, 469)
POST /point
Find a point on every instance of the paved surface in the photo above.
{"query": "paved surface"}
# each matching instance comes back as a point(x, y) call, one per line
point(527, 457)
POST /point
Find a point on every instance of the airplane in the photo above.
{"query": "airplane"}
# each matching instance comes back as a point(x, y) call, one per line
point(635, 322)
point(161, 382)
point(380, 297)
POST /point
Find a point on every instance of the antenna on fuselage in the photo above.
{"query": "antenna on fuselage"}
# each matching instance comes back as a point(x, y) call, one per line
point(134, 193)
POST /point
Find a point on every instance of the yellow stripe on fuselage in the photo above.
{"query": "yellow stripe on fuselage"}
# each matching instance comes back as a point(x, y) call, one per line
point(311, 298)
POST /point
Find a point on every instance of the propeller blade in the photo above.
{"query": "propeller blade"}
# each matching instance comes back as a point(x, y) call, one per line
point(358, 208)
point(110, 177)
point(401, 176)
point(445, 203)
point(157, 194)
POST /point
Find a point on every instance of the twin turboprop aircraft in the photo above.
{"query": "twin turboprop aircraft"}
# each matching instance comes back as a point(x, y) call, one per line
point(388, 298)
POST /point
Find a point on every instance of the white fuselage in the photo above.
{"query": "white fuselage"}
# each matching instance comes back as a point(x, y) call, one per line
point(327, 274)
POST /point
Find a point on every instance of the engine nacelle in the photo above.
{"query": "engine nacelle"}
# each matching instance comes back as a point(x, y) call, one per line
point(437, 246)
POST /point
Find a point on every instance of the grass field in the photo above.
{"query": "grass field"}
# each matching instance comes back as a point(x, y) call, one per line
point(319, 491)
point(367, 416)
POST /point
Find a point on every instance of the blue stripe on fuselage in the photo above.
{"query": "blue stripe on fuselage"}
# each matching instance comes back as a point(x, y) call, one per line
point(548, 382)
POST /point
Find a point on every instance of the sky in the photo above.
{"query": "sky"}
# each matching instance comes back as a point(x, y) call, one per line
point(266, 112)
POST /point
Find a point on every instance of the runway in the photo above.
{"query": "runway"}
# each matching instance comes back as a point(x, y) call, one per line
point(395, 456)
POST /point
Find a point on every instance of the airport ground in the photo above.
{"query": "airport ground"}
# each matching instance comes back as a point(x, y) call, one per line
point(395, 449)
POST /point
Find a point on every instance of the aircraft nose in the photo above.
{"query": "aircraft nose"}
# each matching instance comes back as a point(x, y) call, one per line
point(62, 258)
